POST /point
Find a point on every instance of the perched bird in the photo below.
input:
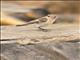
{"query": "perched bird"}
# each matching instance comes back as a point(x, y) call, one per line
point(41, 22)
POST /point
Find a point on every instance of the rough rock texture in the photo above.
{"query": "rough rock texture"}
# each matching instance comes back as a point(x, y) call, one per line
point(44, 51)
point(60, 42)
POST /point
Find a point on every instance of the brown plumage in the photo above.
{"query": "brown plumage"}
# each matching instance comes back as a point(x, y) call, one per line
point(41, 22)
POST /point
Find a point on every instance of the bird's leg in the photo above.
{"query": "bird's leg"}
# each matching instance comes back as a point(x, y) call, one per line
point(42, 29)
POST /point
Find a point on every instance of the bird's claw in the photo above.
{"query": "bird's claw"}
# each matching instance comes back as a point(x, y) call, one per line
point(42, 29)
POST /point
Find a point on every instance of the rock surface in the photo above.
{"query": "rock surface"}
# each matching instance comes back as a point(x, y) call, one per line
point(60, 42)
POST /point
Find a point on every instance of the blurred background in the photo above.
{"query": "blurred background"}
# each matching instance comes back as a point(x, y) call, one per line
point(20, 12)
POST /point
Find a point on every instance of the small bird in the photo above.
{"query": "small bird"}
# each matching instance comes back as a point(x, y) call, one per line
point(41, 22)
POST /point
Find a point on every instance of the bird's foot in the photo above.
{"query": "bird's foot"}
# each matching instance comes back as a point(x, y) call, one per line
point(42, 29)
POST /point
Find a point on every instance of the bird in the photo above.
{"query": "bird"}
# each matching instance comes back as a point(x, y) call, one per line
point(43, 21)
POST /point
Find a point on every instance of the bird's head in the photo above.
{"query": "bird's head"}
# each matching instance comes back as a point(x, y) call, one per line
point(51, 18)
